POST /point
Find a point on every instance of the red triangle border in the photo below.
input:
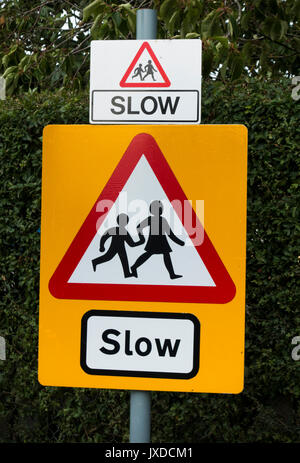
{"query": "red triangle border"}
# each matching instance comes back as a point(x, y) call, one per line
point(166, 82)
point(223, 292)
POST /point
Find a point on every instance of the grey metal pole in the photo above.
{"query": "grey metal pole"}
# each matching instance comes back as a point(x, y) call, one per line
point(140, 417)
point(146, 24)
point(140, 401)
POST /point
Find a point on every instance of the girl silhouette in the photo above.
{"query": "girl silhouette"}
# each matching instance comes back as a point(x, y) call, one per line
point(149, 68)
point(159, 231)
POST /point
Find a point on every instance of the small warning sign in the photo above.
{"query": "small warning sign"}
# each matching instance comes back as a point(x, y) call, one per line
point(152, 81)
point(145, 70)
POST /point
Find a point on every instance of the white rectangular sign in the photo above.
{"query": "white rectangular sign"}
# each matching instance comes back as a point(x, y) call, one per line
point(138, 81)
point(145, 344)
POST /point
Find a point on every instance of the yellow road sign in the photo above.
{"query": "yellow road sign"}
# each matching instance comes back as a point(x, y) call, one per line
point(143, 242)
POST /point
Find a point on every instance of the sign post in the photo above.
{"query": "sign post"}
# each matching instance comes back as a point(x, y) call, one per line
point(145, 81)
point(137, 292)
point(140, 401)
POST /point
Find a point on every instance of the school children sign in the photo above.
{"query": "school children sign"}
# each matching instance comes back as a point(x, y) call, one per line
point(143, 257)
point(153, 81)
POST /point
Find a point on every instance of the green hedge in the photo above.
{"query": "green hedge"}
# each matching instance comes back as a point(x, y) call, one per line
point(268, 408)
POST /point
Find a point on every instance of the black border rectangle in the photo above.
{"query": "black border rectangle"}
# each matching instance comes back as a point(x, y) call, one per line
point(130, 373)
point(140, 120)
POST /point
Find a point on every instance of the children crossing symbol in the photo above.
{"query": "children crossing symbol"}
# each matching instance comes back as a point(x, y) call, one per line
point(147, 69)
point(157, 242)
point(153, 81)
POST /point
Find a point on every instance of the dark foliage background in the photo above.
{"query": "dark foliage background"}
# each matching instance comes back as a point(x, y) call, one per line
point(46, 44)
point(268, 409)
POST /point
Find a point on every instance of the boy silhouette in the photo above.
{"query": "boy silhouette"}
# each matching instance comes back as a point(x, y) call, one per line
point(138, 71)
point(119, 236)
point(159, 231)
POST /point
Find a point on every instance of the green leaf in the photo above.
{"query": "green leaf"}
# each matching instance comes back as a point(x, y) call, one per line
point(207, 60)
point(11, 83)
point(233, 28)
point(246, 19)
point(167, 9)
point(276, 30)
point(5, 60)
point(92, 10)
point(222, 48)
point(10, 70)
point(104, 29)
point(192, 35)
point(131, 23)
point(96, 27)
point(237, 66)
point(210, 25)
point(173, 22)
point(224, 69)
point(24, 61)
point(12, 50)
point(247, 51)
point(130, 16)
